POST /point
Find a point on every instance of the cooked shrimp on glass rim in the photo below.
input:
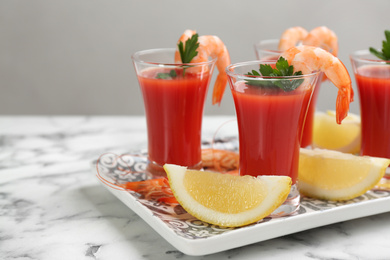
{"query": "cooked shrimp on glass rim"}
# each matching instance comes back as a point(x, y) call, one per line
point(323, 37)
point(308, 59)
point(317, 51)
point(320, 36)
point(210, 46)
point(291, 37)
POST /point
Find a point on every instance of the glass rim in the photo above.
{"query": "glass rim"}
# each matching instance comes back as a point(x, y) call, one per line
point(267, 41)
point(254, 62)
point(356, 56)
point(258, 48)
point(136, 57)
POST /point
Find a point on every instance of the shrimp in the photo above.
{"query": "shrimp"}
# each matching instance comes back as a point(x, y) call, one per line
point(322, 37)
point(153, 189)
point(325, 38)
point(210, 46)
point(309, 59)
point(159, 189)
point(220, 160)
point(291, 37)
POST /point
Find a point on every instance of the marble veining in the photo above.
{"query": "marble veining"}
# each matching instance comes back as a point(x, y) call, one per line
point(53, 207)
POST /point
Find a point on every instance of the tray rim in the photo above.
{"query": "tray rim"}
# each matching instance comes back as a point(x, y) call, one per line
point(250, 234)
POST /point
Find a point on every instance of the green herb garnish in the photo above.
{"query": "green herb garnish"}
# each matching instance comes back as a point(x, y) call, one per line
point(172, 74)
point(189, 50)
point(385, 54)
point(282, 69)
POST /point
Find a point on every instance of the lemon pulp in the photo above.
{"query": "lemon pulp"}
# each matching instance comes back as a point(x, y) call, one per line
point(244, 193)
point(333, 175)
point(227, 200)
point(327, 134)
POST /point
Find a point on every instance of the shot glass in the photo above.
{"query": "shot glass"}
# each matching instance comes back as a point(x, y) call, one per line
point(174, 96)
point(270, 116)
point(373, 82)
point(268, 50)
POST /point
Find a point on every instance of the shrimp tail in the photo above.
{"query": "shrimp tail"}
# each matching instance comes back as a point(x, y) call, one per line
point(344, 97)
point(219, 89)
point(342, 106)
point(212, 46)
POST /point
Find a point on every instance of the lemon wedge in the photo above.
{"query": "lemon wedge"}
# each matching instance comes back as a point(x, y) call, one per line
point(227, 200)
point(333, 175)
point(327, 134)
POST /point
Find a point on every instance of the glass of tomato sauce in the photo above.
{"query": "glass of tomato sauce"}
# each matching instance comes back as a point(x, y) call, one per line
point(268, 50)
point(174, 96)
point(373, 82)
point(270, 114)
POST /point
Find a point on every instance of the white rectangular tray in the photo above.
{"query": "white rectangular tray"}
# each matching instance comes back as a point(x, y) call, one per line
point(194, 237)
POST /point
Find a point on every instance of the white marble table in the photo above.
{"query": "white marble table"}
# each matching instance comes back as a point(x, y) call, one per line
point(53, 207)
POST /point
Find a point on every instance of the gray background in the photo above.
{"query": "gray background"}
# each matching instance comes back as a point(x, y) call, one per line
point(72, 57)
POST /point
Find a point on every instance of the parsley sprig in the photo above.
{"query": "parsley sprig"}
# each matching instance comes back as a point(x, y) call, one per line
point(189, 50)
point(385, 54)
point(282, 69)
point(171, 75)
